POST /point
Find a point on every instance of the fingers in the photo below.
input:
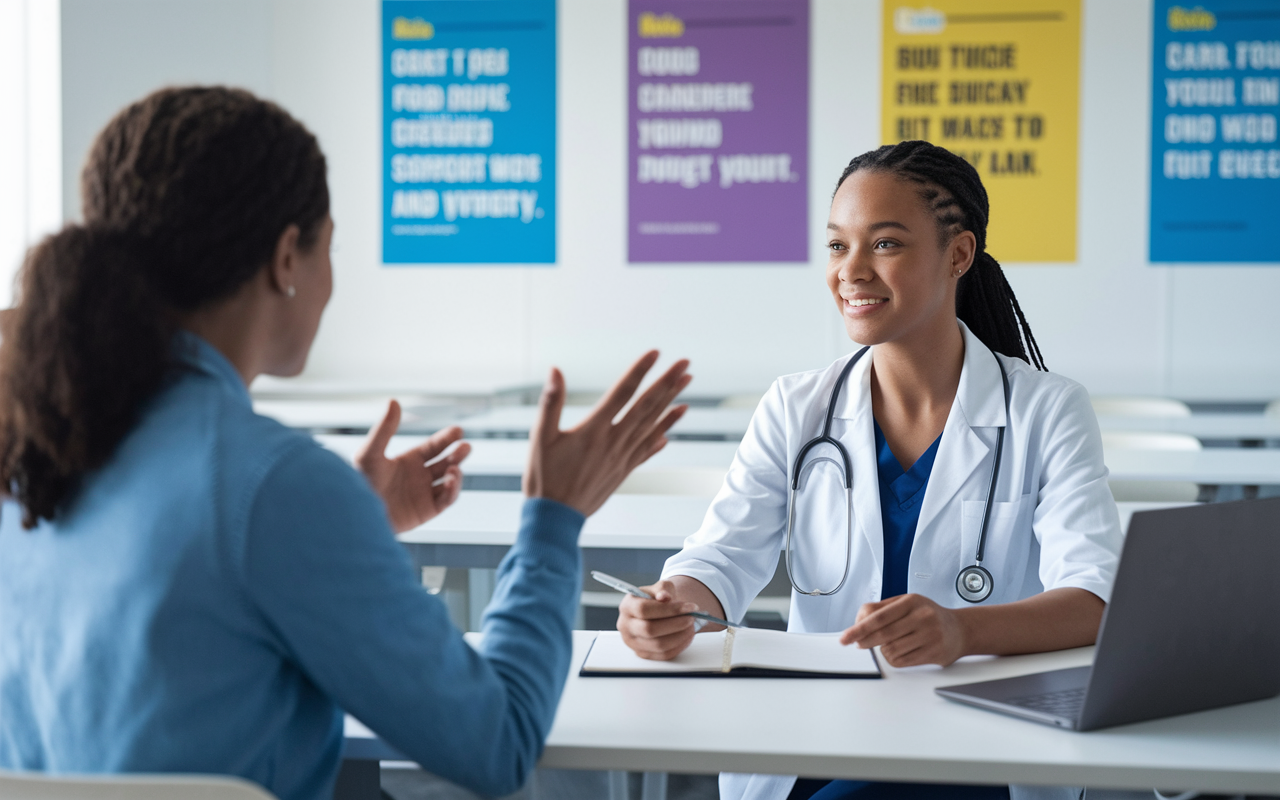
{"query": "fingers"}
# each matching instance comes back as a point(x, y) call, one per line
point(877, 616)
point(376, 445)
point(616, 398)
point(550, 406)
point(663, 590)
point(437, 469)
point(664, 648)
point(447, 490)
point(657, 439)
point(653, 609)
point(657, 397)
point(436, 444)
point(896, 631)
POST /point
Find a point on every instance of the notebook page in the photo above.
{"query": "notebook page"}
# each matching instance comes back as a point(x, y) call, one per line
point(611, 654)
point(802, 652)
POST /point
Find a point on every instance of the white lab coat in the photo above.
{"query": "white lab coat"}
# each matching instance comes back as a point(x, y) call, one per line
point(1053, 521)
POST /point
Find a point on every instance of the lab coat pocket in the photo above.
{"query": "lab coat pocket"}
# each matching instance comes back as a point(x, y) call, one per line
point(1008, 545)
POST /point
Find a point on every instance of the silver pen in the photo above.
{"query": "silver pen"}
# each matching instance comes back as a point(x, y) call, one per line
point(620, 585)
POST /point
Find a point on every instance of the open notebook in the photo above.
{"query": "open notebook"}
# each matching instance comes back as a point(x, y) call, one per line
point(736, 653)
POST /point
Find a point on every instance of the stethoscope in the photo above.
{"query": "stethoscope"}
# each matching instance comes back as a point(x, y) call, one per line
point(974, 583)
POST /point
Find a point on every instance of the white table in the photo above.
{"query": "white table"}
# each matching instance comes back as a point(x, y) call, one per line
point(510, 456)
point(646, 522)
point(894, 729)
point(728, 424)
point(630, 521)
point(1214, 466)
point(1238, 427)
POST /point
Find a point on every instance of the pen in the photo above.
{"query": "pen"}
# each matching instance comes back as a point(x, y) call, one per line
point(620, 585)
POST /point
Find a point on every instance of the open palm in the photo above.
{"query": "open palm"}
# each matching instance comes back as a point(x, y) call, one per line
point(417, 484)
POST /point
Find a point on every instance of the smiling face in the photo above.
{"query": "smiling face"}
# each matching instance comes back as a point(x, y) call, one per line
point(888, 272)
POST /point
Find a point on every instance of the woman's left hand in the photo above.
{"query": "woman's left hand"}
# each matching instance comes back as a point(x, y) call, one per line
point(909, 629)
point(412, 489)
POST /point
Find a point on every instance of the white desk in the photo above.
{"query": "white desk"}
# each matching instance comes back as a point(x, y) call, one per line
point(729, 424)
point(510, 456)
point(645, 522)
point(1215, 466)
point(894, 729)
point(1238, 427)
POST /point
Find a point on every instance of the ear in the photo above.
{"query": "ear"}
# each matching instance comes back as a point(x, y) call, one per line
point(283, 270)
point(961, 252)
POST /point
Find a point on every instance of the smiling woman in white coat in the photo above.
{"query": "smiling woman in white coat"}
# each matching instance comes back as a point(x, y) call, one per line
point(942, 423)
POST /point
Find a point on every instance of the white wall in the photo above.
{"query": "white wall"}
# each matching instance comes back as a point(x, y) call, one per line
point(30, 131)
point(1111, 321)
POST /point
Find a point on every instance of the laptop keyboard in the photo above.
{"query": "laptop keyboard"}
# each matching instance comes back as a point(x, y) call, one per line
point(1065, 703)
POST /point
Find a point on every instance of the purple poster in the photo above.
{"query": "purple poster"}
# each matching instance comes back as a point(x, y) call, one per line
point(719, 130)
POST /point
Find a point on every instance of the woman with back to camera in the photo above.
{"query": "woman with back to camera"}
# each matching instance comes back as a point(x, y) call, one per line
point(188, 587)
point(979, 521)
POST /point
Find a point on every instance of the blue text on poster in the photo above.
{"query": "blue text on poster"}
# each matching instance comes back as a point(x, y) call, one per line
point(1215, 160)
point(469, 131)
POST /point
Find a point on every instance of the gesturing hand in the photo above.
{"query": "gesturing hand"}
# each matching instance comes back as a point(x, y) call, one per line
point(910, 629)
point(413, 490)
point(582, 466)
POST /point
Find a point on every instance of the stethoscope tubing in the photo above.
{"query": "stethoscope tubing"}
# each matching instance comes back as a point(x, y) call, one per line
point(974, 583)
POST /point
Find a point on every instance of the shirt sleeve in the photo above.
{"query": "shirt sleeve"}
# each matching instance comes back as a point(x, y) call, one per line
point(735, 552)
point(324, 568)
point(1076, 521)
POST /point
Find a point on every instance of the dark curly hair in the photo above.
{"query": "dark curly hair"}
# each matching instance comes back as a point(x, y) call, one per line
point(951, 187)
point(185, 196)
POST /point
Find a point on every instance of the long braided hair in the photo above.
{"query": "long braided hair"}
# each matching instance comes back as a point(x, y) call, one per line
point(951, 186)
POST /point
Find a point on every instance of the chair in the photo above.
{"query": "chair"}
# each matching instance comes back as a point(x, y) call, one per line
point(687, 481)
point(1153, 491)
point(38, 786)
point(1118, 406)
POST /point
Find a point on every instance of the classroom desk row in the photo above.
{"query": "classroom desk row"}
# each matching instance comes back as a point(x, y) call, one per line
point(708, 424)
point(1212, 467)
point(894, 729)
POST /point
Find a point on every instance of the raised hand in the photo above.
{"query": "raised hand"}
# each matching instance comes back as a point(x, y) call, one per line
point(582, 466)
point(416, 485)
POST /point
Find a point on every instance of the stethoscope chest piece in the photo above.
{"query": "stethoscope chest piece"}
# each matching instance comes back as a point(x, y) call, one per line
point(974, 584)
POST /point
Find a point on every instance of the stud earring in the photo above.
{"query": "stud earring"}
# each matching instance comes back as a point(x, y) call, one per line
point(291, 292)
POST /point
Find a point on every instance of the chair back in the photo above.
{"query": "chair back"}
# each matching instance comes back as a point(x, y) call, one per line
point(1115, 406)
point(1152, 491)
point(39, 786)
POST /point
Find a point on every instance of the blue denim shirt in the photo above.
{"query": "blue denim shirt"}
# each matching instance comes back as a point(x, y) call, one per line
point(216, 594)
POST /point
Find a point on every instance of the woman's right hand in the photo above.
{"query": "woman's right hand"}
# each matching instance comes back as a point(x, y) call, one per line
point(582, 466)
point(658, 629)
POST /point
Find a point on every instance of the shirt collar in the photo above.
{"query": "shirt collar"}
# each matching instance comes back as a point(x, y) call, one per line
point(195, 353)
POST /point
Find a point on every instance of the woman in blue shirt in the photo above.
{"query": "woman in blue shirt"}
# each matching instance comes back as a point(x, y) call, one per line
point(186, 586)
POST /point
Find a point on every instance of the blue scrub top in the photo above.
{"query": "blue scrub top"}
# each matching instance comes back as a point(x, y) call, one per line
point(901, 493)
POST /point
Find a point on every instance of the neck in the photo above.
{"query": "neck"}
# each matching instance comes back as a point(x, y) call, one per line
point(235, 328)
point(916, 377)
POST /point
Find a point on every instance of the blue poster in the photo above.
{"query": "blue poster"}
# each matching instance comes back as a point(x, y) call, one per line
point(1215, 161)
point(469, 131)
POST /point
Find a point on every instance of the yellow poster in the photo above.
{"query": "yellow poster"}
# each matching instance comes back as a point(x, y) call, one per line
point(997, 82)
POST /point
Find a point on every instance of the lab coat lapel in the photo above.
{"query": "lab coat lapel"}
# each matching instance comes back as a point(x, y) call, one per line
point(979, 403)
point(859, 439)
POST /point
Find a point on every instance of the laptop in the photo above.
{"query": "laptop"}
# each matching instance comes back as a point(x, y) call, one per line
point(1193, 624)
